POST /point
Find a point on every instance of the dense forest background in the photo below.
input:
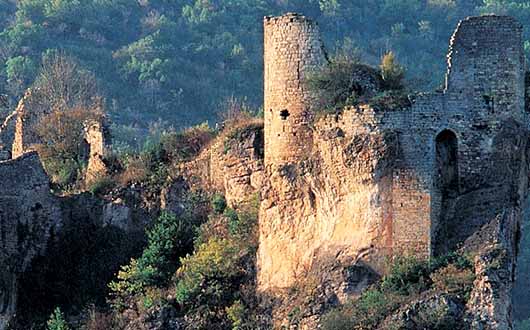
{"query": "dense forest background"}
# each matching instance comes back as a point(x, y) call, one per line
point(177, 62)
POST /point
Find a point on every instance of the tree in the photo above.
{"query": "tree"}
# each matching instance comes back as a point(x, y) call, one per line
point(64, 84)
point(57, 321)
point(392, 72)
point(20, 72)
point(68, 96)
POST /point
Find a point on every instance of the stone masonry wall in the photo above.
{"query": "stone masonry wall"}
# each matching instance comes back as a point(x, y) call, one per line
point(28, 215)
point(367, 184)
point(293, 48)
point(97, 138)
point(29, 111)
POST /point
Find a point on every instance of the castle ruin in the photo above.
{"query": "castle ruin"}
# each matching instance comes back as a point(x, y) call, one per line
point(367, 184)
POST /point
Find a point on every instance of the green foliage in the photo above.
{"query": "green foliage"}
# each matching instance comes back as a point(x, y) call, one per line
point(186, 144)
point(20, 72)
point(204, 274)
point(333, 85)
point(57, 321)
point(406, 276)
point(365, 313)
point(237, 314)
point(233, 220)
point(405, 281)
point(178, 60)
point(391, 72)
point(218, 203)
point(453, 279)
point(168, 238)
point(522, 325)
point(214, 285)
point(101, 185)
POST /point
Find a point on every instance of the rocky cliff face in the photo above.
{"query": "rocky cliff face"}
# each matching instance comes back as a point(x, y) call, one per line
point(333, 205)
point(232, 165)
point(29, 214)
point(38, 233)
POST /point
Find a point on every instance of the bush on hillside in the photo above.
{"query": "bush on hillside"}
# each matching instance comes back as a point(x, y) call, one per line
point(168, 238)
point(392, 73)
point(57, 321)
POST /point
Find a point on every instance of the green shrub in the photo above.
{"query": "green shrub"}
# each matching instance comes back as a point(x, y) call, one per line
point(214, 285)
point(332, 84)
point(365, 313)
point(57, 321)
point(391, 100)
point(218, 203)
point(406, 279)
point(407, 276)
point(233, 220)
point(101, 185)
point(184, 145)
point(452, 279)
point(237, 314)
point(202, 275)
point(168, 238)
point(63, 172)
point(338, 319)
point(392, 72)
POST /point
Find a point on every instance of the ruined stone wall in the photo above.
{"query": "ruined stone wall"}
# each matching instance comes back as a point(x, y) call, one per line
point(28, 216)
point(97, 138)
point(368, 183)
point(29, 112)
point(293, 48)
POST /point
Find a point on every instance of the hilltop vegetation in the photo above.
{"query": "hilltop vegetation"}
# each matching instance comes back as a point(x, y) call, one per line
point(177, 61)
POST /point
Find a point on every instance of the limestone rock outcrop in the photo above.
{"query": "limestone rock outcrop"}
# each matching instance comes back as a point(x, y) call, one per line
point(232, 165)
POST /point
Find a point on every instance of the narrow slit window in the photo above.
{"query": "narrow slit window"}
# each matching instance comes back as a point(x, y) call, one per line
point(284, 114)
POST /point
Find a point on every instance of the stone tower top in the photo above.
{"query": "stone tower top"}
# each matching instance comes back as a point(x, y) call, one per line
point(287, 18)
point(292, 49)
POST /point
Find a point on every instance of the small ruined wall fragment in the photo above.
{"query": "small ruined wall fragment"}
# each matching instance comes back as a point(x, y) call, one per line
point(29, 112)
point(97, 138)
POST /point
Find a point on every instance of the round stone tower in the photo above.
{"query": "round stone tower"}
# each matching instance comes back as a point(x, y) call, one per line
point(292, 49)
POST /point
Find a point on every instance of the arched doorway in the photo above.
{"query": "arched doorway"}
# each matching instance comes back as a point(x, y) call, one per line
point(447, 162)
point(446, 184)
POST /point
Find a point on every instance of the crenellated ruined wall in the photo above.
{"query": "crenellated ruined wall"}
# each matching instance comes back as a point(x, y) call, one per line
point(422, 180)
